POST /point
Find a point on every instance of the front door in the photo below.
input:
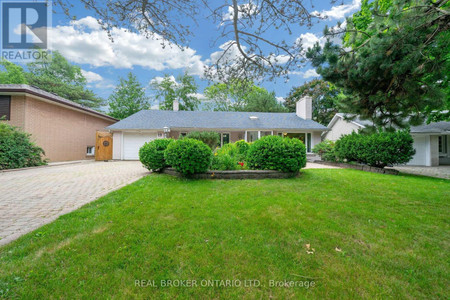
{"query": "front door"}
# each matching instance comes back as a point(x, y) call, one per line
point(103, 146)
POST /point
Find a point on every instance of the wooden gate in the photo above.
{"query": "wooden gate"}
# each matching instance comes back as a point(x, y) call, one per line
point(103, 146)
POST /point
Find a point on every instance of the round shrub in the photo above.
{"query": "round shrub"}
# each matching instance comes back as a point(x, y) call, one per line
point(210, 138)
point(188, 156)
point(16, 149)
point(151, 154)
point(277, 153)
point(242, 147)
point(378, 149)
point(325, 150)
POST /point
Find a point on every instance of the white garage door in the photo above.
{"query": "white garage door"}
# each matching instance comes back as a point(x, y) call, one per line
point(132, 142)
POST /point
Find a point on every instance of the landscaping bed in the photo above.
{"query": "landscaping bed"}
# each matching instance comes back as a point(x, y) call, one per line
point(358, 167)
point(234, 174)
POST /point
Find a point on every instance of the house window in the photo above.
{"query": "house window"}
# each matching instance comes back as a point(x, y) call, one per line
point(225, 138)
point(280, 134)
point(264, 133)
point(183, 134)
point(90, 151)
point(308, 142)
point(443, 144)
point(252, 136)
point(5, 107)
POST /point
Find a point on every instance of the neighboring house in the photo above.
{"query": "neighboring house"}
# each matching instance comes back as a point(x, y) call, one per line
point(431, 141)
point(131, 133)
point(64, 129)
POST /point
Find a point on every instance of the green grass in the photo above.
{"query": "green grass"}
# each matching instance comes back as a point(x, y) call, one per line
point(393, 233)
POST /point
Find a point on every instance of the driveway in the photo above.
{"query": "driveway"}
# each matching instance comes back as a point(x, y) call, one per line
point(31, 198)
point(439, 172)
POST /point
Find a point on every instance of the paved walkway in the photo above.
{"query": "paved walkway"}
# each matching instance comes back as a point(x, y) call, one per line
point(439, 172)
point(310, 165)
point(31, 198)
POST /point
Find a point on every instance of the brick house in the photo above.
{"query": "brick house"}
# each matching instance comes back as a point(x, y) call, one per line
point(64, 129)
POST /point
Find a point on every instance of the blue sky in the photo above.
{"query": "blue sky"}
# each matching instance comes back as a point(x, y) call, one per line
point(83, 43)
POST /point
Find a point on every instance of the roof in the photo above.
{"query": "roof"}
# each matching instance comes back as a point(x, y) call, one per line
point(442, 127)
point(34, 91)
point(158, 119)
point(436, 127)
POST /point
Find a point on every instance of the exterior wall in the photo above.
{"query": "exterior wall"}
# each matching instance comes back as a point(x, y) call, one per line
point(17, 111)
point(427, 151)
point(340, 128)
point(63, 133)
point(316, 138)
point(117, 145)
point(434, 150)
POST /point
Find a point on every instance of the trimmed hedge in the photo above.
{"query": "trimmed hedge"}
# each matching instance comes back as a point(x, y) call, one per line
point(377, 150)
point(325, 150)
point(188, 156)
point(242, 147)
point(210, 138)
point(17, 150)
point(277, 153)
point(151, 154)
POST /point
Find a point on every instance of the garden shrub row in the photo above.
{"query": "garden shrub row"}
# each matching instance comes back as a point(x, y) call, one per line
point(377, 150)
point(17, 150)
point(190, 156)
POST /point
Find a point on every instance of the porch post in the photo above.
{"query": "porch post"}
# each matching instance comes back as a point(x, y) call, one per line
point(245, 136)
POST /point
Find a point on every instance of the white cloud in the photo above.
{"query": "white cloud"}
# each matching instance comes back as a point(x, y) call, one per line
point(91, 76)
point(310, 73)
point(159, 79)
point(245, 9)
point(280, 99)
point(340, 11)
point(307, 40)
point(85, 42)
point(199, 96)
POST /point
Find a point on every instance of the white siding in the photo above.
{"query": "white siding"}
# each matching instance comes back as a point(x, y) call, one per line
point(421, 145)
point(133, 141)
point(315, 138)
point(117, 145)
point(339, 128)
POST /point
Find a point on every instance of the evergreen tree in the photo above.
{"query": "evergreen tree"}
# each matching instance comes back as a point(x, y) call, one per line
point(128, 98)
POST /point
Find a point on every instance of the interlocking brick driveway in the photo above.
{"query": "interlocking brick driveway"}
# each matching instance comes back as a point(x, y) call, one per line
point(33, 197)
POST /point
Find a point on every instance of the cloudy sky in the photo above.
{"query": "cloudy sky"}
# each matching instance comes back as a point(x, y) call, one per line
point(84, 43)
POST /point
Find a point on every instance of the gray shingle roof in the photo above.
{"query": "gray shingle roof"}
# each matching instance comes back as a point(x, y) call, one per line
point(158, 119)
point(435, 127)
point(25, 88)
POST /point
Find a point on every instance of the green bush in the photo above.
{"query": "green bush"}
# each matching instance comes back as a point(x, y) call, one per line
point(377, 150)
point(227, 158)
point(277, 153)
point(242, 147)
point(326, 150)
point(210, 138)
point(188, 156)
point(16, 149)
point(151, 154)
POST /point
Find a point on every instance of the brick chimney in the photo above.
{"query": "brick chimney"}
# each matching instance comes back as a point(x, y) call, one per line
point(304, 108)
point(176, 105)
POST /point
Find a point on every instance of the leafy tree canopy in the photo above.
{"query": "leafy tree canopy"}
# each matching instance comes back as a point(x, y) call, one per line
point(128, 98)
point(183, 89)
point(11, 73)
point(56, 75)
point(325, 97)
point(241, 95)
point(393, 65)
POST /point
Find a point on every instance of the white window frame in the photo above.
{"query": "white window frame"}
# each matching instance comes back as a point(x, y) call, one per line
point(221, 138)
point(90, 153)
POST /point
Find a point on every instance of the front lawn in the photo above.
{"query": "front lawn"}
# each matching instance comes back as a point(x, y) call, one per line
point(349, 233)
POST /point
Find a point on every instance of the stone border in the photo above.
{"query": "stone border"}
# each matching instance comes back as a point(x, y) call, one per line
point(359, 167)
point(234, 174)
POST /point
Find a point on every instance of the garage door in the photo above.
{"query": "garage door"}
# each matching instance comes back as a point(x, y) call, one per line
point(132, 142)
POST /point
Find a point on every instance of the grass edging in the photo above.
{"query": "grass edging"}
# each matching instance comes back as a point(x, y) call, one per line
point(234, 174)
point(359, 167)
